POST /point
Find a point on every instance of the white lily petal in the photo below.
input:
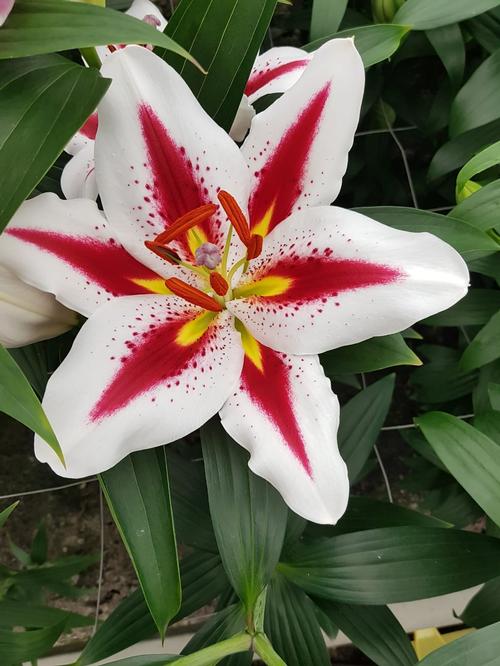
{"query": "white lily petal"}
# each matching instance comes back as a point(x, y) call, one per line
point(78, 177)
point(276, 70)
point(241, 124)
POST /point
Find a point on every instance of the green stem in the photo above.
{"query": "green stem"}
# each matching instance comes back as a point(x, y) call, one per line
point(266, 651)
point(238, 643)
point(91, 58)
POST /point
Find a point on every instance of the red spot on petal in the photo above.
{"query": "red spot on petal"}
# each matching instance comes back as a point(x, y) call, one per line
point(260, 79)
point(89, 128)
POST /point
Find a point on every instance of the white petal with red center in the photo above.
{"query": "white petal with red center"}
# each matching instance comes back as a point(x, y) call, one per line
point(275, 71)
point(329, 277)
point(66, 248)
point(159, 155)
point(143, 371)
point(78, 176)
point(297, 148)
point(84, 137)
point(285, 414)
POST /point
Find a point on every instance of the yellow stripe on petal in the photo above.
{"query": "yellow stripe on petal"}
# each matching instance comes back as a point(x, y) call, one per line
point(195, 237)
point(272, 285)
point(155, 285)
point(262, 227)
point(250, 345)
point(192, 330)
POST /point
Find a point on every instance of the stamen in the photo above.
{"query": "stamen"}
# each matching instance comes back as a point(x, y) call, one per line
point(254, 247)
point(163, 252)
point(208, 255)
point(235, 215)
point(186, 222)
point(218, 284)
point(193, 295)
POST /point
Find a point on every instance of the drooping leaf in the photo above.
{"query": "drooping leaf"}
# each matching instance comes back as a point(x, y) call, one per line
point(17, 399)
point(448, 43)
point(326, 17)
point(428, 14)
point(138, 495)
point(20, 646)
point(484, 348)
point(485, 159)
point(43, 102)
point(479, 647)
point(484, 607)
point(385, 351)
point(21, 614)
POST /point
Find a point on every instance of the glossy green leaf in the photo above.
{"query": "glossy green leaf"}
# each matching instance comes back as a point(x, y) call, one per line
point(17, 399)
point(225, 37)
point(385, 351)
point(475, 309)
point(292, 626)
point(485, 159)
point(481, 209)
point(375, 43)
point(484, 607)
point(448, 42)
point(45, 26)
point(374, 630)
point(21, 614)
point(326, 17)
point(428, 14)
point(248, 514)
point(470, 456)
point(392, 564)
point(138, 495)
point(484, 348)
point(486, 30)
point(470, 242)
point(480, 647)
point(477, 102)
point(43, 102)
point(20, 646)
point(5, 513)
point(360, 422)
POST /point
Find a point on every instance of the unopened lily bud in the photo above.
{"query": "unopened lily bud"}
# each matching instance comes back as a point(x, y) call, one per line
point(384, 11)
point(208, 255)
point(29, 315)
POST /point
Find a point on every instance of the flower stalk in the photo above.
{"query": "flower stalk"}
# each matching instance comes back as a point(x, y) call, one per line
point(238, 643)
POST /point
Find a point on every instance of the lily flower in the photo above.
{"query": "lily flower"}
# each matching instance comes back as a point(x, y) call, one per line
point(5, 9)
point(217, 275)
point(29, 315)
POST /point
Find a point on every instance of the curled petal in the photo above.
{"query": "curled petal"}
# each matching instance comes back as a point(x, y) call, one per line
point(78, 176)
point(275, 71)
point(241, 123)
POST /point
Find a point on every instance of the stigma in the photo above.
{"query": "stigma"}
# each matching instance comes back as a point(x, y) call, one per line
point(208, 255)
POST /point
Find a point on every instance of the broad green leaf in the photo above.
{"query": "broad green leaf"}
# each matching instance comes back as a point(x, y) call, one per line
point(479, 647)
point(374, 630)
point(43, 102)
point(448, 42)
point(484, 348)
point(22, 614)
point(481, 396)
point(202, 579)
point(441, 378)
point(248, 514)
point(374, 42)
point(292, 626)
point(45, 26)
point(481, 209)
point(485, 159)
point(484, 607)
point(385, 351)
point(54, 572)
point(145, 660)
point(225, 37)
point(470, 242)
point(477, 102)
point(17, 399)
point(488, 423)
point(428, 14)
point(20, 646)
point(475, 309)
point(486, 30)
point(470, 456)
point(360, 422)
point(392, 564)
point(326, 17)
point(494, 393)
point(138, 495)
point(5, 513)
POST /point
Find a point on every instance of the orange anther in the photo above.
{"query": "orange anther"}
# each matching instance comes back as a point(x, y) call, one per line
point(235, 215)
point(186, 222)
point(218, 283)
point(254, 247)
point(193, 295)
point(164, 252)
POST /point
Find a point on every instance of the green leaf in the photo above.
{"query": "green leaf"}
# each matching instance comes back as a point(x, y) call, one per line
point(385, 351)
point(448, 42)
point(44, 101)
point(326, 17)
point(225, 37)
point(374, 630)
point(5, 513)
point(475, 309)
point(494, 394)
point(486, 30)
point(138, 496)
point(248, 515)
point(45, 26)
point(480, 647)
point(374, 42)
point(484, 348)
point(442, 378)
point(22, 614)
point(360, 422)
point(17, 399)
point(19, 646)
point(477, 102)
point(221, 626)
point(481, 209)
point(470, 456)
point(55, 572)
point(145, 660)
point(392, 564)
point(40, 545)
point(427, 14)
point(484, 607)
point(470, 242)
point(292, 626)
point(485, 159)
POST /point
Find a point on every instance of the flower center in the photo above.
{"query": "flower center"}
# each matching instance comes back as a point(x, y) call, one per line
point(209, 263)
